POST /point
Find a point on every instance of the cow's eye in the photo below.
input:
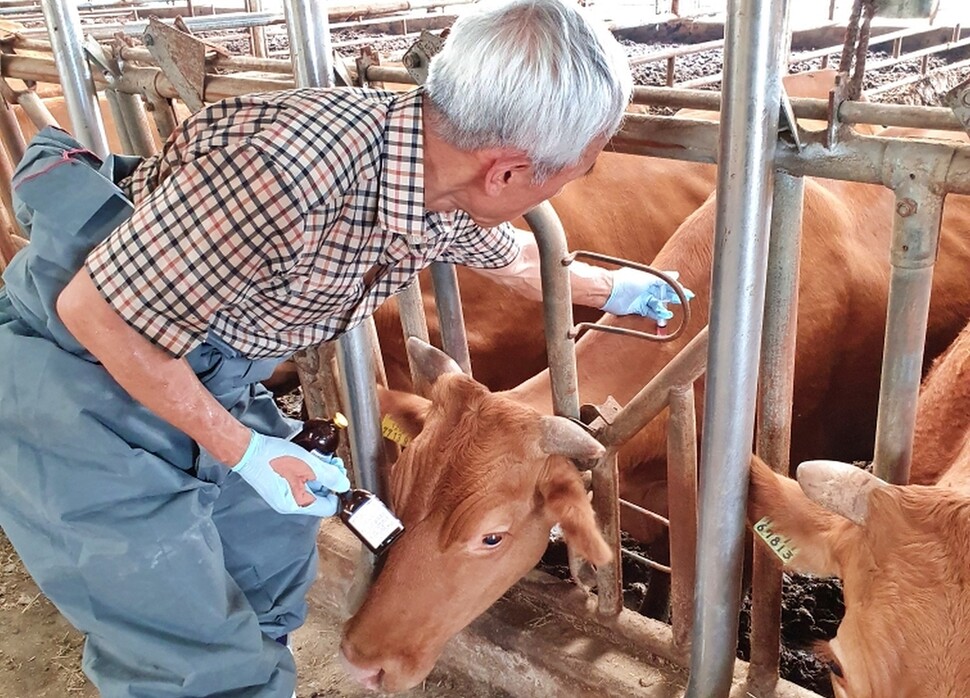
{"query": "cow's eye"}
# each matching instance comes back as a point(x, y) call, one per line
point(492, 540)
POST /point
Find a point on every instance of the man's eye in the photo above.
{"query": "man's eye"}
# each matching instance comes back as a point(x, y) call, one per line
point(491, 540)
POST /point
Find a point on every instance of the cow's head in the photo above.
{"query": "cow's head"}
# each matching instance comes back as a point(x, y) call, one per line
point(478, 490)
point(903, 554)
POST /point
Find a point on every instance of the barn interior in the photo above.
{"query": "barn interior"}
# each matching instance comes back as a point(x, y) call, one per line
point(154, 62)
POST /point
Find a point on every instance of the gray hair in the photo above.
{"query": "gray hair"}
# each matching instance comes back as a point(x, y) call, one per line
point(538, 76)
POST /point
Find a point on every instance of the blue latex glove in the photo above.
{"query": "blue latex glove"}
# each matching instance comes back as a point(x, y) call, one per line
point(636, 292)
point(275, 467)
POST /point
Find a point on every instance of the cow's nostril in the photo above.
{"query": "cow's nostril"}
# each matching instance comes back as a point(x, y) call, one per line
point(368, 678)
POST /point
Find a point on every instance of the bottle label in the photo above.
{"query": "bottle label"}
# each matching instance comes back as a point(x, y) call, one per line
point(374, 522)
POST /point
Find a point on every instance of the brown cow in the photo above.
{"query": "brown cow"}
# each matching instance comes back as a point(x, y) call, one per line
point(485, 516)
point(842, 301)
point(843, 292)
point(627, 207)
point(902, 552)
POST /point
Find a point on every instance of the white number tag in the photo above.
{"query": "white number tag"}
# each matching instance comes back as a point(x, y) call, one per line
point(781, 545)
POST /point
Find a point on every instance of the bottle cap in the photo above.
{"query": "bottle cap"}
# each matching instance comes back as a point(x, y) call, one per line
point(340, 421)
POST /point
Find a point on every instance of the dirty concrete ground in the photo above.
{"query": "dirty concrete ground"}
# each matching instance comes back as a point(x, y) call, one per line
point(40, 653)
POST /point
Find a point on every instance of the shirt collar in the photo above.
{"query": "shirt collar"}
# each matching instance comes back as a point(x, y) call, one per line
point(401, 207)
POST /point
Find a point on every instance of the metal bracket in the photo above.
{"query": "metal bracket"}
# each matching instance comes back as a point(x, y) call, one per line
point(341, 72)
point(837, 95)
point(787, 124)
point(417, 58)
point(597, 417)
point(181, 58)
point(958, 99)
point(368, 57)
point(106, 64)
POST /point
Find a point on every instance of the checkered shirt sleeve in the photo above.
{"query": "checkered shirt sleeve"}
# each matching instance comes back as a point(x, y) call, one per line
point(224, 226)
point(485, 248)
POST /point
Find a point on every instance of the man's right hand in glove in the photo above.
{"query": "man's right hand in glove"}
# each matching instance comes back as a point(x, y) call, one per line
point(291, 479)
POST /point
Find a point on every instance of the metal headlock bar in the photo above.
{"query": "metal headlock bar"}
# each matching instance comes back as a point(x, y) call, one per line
point(919, 172)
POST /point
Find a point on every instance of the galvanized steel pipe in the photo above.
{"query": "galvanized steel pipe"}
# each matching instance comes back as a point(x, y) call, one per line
point(64, 29)
point(414, 323)
point(10, 133)
point(755, 30)
point(451, 320)
point(308, 28)
point(913, 250)
point(775, 396)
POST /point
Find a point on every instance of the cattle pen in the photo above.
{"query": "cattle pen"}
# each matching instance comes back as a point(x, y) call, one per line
point(548, 637)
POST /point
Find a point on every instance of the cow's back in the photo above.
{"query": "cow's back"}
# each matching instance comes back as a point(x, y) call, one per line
point(628, 206)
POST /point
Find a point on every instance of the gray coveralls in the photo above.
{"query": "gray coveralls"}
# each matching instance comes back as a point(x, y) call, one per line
point(176, 570)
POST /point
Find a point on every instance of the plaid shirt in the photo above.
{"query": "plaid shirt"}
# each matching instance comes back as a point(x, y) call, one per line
point(277, 221)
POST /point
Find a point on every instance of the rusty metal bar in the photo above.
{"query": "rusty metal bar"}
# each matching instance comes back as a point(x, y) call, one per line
point(916, 78)
point(121, 128)
point(556, 308)
point(854, 158)
point(454, 340)
point(10, 134)
point(207, 23)
point(682, 508)
point(36, 110)
point(135, 119)
point(139, 80)
point(259, 64)
point(678, 52)
point(683, 369)
point(7, 214)
point(414, 323)
point(163, 114)
point(921, 53)
point(606, 503)
point(257, 34)
point(653, 564)
point(808, 108)
point(775, 408)
point(652, 515)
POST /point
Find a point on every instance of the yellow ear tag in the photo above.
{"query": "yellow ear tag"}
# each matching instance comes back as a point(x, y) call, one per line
point(392, 430)
point(781, 545)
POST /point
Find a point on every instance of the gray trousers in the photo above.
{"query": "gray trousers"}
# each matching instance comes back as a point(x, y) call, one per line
point(177, 572)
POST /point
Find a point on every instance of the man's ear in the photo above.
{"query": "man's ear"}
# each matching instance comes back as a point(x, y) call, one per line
point(507, 169)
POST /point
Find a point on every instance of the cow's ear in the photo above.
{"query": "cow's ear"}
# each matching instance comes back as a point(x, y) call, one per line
point(841, 488)
point(778, 507)
point(567, 504)
point(429, 362)
point(406, 413)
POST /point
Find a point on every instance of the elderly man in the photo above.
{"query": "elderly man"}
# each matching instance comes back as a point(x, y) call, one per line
point(146, 478)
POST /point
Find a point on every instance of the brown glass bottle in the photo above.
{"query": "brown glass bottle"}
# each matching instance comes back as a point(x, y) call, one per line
point(361, 511)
